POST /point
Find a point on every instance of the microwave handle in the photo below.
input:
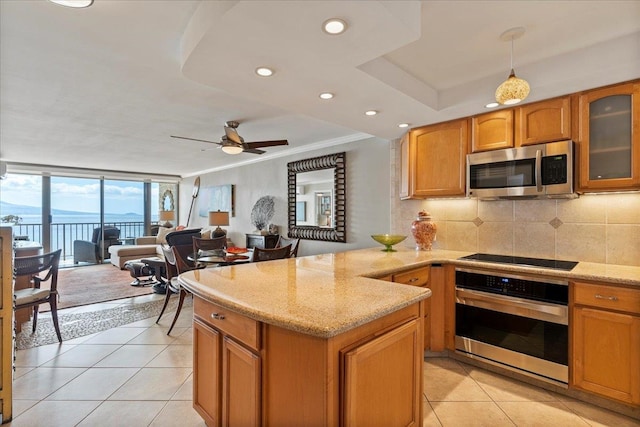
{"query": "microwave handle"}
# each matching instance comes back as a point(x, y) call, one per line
point(539, 170)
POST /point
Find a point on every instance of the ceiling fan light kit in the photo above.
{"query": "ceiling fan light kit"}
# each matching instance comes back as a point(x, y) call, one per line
point(232, 143)
point(514, 89)
point(78, 4)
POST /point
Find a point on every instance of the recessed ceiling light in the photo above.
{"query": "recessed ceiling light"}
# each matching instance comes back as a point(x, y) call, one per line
point(73, 3)
point(371, 113)
point(264, 72)
point(326, 95)
point(491, 105)
point(334, 26)
point(403, 125)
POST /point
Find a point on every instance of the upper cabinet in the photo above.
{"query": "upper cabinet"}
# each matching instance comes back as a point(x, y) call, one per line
point(492, 131)
point(609, 138)
point(544, 121)
point(433, 160)
point(536, 123)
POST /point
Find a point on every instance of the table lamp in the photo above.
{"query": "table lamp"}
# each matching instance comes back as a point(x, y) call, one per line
point(167, 216)
point(218, 218)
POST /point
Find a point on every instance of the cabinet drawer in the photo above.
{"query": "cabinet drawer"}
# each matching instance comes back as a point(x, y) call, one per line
point(611, 297)
point(229, 322)
point(417, 277)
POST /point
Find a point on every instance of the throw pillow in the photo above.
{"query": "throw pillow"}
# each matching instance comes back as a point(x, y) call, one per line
point(161, 238)
point(205, 234)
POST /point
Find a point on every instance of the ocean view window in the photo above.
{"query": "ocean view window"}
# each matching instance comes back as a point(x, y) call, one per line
point(58, 211)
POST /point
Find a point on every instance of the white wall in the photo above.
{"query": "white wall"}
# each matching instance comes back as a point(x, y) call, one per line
point(368, 177)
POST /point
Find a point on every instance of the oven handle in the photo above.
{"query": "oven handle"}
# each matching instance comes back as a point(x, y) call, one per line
point(539, 170)
point(554, 313)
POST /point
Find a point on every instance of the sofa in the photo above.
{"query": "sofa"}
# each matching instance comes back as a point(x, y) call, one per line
point(146, 247)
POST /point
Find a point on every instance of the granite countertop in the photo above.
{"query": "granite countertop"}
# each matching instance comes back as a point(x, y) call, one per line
point(328, 294)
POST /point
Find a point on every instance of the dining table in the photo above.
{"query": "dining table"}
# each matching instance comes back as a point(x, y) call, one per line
point(221, 258)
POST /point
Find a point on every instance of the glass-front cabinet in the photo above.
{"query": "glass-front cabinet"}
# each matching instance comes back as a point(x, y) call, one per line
point(609, 127)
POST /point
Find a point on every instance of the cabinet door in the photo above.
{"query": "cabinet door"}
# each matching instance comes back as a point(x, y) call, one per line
point(492, 131)
point(606, 352)
point(609, 140)
point(206, 373)
point(544, 121)
point(437, 158)
point(240, 385)
point(376, 395)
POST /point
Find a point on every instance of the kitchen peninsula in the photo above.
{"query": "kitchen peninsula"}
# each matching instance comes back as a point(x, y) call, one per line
point(326, 339)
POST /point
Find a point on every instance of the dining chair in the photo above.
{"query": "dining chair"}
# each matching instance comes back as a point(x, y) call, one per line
point(284, 241)
point(34, 267)
point(271, 254)
point(176, 263)
point(200, 244)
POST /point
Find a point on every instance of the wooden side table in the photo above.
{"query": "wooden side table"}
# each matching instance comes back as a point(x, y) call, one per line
point(268, 241)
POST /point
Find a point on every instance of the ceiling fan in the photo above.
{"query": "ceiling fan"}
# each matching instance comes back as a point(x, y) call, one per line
point(232, 143)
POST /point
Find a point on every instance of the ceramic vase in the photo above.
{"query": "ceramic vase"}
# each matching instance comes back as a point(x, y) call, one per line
point(424, 231)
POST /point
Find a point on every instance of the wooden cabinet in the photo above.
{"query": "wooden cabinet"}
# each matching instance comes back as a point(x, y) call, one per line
point(6, 323)
point(433, 161)
point(544, 121)
point(263, 242)
point(420, 277)
point(537, 123)
point(492, 131)
point(227, 369)
point(609, 138)
point(251, 373)
point(606, 341)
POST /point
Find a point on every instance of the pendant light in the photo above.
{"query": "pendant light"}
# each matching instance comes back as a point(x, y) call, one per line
point(514, 89)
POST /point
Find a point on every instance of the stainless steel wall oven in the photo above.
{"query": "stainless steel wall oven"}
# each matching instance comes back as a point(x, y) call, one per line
point(517, 321)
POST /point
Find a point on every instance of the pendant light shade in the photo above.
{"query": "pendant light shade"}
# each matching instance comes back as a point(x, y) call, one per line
point(514, 89)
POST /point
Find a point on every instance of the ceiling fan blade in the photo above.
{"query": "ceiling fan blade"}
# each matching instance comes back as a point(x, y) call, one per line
point(194, 139)
point(253, 151)
point(260, 144)
point(232, 135)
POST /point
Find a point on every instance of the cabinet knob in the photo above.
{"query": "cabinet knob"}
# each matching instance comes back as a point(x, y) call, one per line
point(217, 316)
point(610, 298)
point(415, 279)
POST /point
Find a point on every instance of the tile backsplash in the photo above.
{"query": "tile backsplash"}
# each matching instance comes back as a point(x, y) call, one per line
point(603, 228)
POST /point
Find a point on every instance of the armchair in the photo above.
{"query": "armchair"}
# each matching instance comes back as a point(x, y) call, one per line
point(94, 252)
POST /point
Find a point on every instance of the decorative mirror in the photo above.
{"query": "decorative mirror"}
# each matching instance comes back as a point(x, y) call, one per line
point(167, 201)
point(317, 198)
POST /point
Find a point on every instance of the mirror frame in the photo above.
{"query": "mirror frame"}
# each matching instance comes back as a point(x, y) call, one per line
point(338, 232)
point(168, 195)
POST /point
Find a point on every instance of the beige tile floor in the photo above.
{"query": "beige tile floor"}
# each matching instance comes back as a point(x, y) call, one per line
point(136, 375)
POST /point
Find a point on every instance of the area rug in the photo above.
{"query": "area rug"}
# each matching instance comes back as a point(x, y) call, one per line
point(76, 325)
point(92, 284)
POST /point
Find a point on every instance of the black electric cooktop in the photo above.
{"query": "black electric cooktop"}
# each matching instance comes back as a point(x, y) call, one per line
point(516, 260)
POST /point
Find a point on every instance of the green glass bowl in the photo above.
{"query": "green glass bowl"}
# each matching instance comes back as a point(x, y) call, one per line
point(388, 240)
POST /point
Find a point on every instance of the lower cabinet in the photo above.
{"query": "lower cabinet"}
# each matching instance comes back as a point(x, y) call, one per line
point(420, 277)
point(606, 341)
point(248, 373)
point(227, 371)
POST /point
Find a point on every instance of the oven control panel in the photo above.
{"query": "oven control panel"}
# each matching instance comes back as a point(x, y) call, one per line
point(517, 286)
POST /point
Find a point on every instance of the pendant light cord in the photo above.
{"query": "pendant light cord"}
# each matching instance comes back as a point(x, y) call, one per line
point(512, 52)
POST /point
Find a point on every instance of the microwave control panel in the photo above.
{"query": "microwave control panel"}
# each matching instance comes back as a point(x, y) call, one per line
point(554, 169)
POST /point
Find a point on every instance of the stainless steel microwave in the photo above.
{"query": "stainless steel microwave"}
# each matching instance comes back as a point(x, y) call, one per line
point(534, 171)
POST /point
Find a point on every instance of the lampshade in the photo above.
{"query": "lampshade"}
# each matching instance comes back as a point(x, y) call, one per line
point(167, 215)
point(514, 89)
point(218, 218)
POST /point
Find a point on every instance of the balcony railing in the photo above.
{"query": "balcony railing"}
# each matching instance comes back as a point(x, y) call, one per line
point(63, 234)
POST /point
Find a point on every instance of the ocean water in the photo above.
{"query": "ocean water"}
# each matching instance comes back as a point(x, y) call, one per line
point(67, 228)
